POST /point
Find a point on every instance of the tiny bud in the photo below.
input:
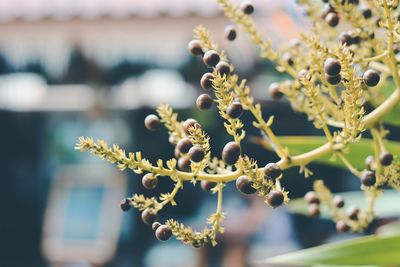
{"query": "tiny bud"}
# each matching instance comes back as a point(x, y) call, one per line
point(195, 48)
point(386, 158)
point(234, 110)
point(149, 181)
point(272, 171)
point(338, 201)
point(275, 198)
point(207, 185)
point(311, 197)
point(187, 124)
point(204, 102)
point(371, 78)
point(333, 80)
point(184, 164)
point(206, 81)
point(288, 59)
point(369, 162)
point(211, 58)
point(346, 38)
point(155, 225)
point(163, 233)
point(184, 145)
point(247, 7)
point(125, 204)
point(352, 212)
point(148, 217)
point(274, 91)
point(151, 122)
point(243, 184)
point(332, 19)
point(231, 153)
point(196, 153)
point(177, 153)
point(230, 33)
point(332, 66)
point(366, 12)
point(368, 178)
point(342, 226)
point(313, 210)
point(223, 68)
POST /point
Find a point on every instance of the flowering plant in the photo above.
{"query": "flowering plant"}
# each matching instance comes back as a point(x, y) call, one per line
point(334, 73)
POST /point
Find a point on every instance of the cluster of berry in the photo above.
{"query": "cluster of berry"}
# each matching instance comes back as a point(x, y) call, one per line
point(332, 70)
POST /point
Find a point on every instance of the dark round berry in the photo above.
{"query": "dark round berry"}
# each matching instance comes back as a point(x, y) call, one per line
point(288, 59)
point(328, 8)
point(196, 153)
point(190, 123)
point(197, 245)
point(342, 226)
point(274, 91)
point(275, 198)
point(338, 201)
point(184, 164)
point(184, 145)
point(352, 212)
point(151, 122)
point(149, 181)
point(243, 184)
point(311, 197)
point(195, 48)
point(333, 80)
point(313, 210)
point(272, 171)
point(247, 7)
point(231, 153)
point(332, 66)
point(346, 38)
point(371, 78)
point(125, 204)
point(378, 22)
point(148, 217)
point(354, 2)
point(163, 233)
point(211, 58)
point(206, 81)
point(230, 33)
point(396, 48)
point(369, 162)
point(332, 19)
point(155, 225)
point(207, 185)
point(368, 178)
point(386, 158)
point(366, 12)
point(204, 102)
point(223, 68)
point(177, 153)
point(356, 39)
point(234, 110)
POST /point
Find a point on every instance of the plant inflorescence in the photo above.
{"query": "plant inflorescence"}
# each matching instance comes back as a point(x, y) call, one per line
point(336, 69)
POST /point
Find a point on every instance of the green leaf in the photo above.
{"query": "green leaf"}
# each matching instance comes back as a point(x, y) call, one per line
point(369, 250)
point(389, 228)
point(385, 206)
point(357, 152)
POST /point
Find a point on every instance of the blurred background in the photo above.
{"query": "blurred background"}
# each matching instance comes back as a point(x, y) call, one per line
point(71, 68)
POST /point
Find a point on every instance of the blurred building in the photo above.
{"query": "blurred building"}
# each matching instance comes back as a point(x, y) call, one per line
point(103, 43)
